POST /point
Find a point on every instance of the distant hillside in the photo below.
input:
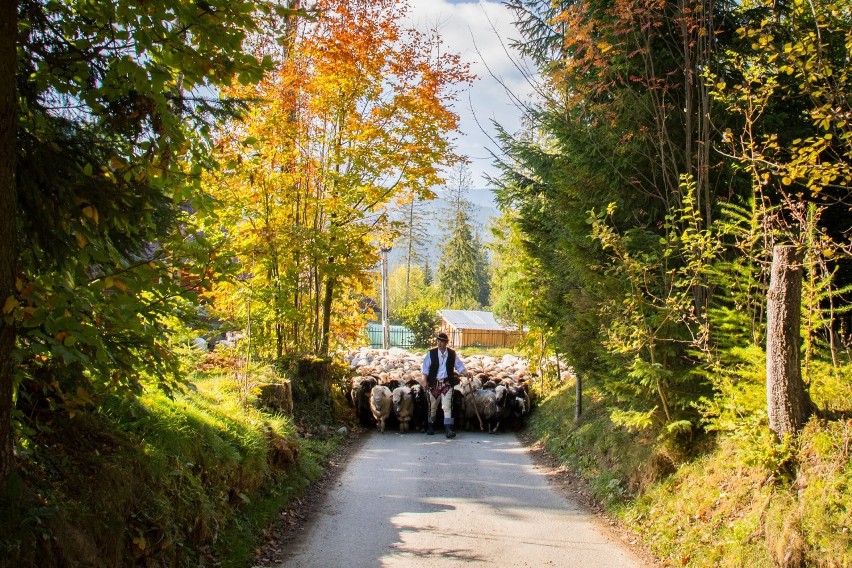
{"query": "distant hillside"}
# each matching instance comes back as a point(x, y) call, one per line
point(482, 212)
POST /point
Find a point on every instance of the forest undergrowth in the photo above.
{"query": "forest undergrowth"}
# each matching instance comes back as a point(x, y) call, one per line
point(189, 478)
point(724, 498)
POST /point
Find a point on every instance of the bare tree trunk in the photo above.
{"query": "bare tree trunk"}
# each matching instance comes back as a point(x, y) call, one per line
point(8, 243)
point(409, 256)
point(385, 295)
point(788, 403)
point(327, 302)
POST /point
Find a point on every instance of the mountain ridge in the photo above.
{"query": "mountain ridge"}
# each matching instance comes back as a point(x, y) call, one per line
point(483, 209)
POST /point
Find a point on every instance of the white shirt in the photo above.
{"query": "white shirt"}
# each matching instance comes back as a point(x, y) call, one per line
point(442, 367)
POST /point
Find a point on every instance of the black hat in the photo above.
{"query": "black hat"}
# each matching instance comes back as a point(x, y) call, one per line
point(442, 337)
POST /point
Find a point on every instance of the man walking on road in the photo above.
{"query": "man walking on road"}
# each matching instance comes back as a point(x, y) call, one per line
point(438, 369)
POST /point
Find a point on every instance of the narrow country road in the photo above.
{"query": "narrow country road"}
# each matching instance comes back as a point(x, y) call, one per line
point(424, 501)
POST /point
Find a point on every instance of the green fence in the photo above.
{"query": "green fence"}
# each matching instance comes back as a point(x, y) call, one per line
point(400, 336)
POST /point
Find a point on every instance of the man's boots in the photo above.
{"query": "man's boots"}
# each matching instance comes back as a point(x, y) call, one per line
point(430, 427)
point(449, 429)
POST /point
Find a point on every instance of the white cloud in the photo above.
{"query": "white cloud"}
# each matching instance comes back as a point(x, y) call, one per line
point(481, 33)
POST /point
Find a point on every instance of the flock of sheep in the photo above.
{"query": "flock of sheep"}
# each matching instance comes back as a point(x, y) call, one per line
point(386, 392)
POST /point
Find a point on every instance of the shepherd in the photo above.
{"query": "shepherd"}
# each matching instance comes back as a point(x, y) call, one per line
point(438, 370)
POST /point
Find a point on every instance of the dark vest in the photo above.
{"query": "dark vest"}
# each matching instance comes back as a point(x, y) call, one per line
point(432, 377)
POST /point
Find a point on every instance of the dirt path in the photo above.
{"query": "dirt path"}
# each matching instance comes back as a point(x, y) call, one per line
point(413, 500)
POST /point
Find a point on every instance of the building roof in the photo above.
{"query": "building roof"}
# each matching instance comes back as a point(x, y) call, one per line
point(472, 319)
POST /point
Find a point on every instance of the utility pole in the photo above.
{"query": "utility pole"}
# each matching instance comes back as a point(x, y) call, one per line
point(385, 321)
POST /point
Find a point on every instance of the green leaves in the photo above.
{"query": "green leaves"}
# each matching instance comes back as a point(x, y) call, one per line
point(356, 117)
point(111, 144)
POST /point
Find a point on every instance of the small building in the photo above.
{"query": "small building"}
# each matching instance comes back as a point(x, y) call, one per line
point(472, 328)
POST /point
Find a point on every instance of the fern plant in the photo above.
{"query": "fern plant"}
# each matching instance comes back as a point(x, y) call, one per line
point(657, 322)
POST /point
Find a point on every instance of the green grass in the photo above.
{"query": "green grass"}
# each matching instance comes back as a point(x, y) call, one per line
point(730, 504)
point(189, 479)
point(236, 546)
point(615, 461)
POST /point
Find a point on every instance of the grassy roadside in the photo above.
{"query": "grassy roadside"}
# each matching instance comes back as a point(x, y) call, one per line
point(189, 479)
point(723, 506)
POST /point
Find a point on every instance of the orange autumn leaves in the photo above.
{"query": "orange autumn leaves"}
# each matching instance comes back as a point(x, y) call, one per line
point(358, 116)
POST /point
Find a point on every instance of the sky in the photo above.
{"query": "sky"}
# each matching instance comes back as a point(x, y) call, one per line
point(480, 32)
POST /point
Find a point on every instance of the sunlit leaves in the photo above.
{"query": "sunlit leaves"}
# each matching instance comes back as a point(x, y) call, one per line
point(799, 56)
point(356, 115)
point(115, 101)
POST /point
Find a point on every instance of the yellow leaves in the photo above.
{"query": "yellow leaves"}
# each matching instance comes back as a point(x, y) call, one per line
point(112, 282)
point(120, 285)
point(90, 212)
point(13, 309)
point(84, 395)
point(356, 115)
point(10, 305)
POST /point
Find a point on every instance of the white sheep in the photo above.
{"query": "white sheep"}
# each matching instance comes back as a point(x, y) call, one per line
point(403, 407)
point(380, 404)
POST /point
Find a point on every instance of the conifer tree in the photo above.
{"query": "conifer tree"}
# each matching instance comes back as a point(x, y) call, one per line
point(428, 277)
point(482, 271)
point(457, 280)
point(457, 271)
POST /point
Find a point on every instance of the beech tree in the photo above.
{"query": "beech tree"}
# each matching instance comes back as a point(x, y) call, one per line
point(356, 117)
point(111, 136)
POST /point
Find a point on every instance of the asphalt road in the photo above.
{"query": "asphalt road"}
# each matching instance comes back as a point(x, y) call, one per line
point(424, 501)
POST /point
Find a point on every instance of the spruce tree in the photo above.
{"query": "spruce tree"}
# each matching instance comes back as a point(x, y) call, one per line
point(457, 280)
point(482, 271)
point(428, 278)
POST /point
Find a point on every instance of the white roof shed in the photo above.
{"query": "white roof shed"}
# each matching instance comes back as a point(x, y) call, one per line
point(473, 328)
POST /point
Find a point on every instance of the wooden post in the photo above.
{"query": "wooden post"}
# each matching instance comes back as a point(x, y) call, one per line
point(385, 298)
point(788, 403)
point(578, 402)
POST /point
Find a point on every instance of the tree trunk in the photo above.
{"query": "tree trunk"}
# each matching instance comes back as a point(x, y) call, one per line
point(578, 401)
point(327, 302)
point(788, 403)
point(8, 243)
point(409, 253)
